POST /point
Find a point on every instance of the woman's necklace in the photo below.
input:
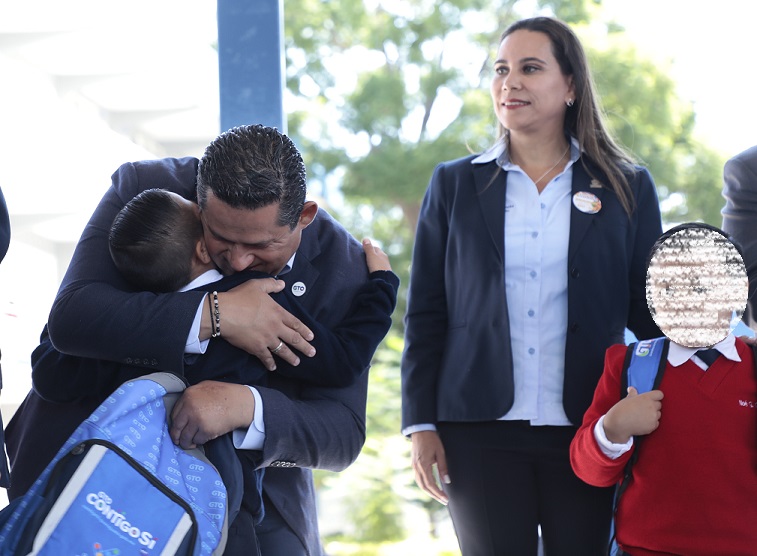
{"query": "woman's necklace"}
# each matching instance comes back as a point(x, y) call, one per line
point(536, 182)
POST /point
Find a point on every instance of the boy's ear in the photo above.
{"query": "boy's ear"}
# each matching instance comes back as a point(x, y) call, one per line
point(201, 251)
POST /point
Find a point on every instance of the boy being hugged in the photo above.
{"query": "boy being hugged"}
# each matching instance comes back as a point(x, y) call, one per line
point(693, 486)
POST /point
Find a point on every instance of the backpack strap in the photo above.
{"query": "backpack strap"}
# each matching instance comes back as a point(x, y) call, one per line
point(644, 365)
point(643, 368)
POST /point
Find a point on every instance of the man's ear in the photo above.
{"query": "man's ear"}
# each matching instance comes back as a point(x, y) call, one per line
point(309, 210)
point(201, 251)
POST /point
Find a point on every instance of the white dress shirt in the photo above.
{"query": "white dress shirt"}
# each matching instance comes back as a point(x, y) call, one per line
point(536, 235)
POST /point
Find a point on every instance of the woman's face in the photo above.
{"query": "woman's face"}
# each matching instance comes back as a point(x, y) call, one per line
point(528, 89)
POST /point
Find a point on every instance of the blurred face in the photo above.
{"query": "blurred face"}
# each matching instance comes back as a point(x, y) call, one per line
point(697, 287)
point(245, 239)
point(528, 89)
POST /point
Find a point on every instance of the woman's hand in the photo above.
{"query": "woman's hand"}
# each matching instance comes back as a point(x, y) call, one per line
point(427, 453)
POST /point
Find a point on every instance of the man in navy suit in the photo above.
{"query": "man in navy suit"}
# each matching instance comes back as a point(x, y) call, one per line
point(250, 185)
point(740, 217)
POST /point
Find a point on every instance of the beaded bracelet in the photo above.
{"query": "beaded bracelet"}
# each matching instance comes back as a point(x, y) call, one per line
point(215, 316)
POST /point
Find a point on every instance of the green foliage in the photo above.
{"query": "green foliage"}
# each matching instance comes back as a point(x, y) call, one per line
point(649, 119)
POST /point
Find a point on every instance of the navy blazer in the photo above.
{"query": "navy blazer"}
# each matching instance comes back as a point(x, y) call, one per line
point(740, 217)
point(458, 364)
point(96, 314)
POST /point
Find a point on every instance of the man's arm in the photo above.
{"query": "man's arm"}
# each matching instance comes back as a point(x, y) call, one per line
point(96, 314)
point(307, 425)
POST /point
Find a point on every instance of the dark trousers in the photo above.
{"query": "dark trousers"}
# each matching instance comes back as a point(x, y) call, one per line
point(508, 478)
point(275, 536)
point(242, 539)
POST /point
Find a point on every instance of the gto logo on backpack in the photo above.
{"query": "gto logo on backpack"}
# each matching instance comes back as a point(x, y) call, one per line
point(120, 486)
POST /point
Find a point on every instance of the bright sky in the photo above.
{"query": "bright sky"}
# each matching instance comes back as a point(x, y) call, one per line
point(713, 48)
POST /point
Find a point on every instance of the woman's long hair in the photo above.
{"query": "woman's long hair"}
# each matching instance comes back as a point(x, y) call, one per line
point(584, 120)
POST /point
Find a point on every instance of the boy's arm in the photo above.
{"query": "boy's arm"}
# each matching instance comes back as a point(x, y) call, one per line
point(589, 463)
point(344, 352)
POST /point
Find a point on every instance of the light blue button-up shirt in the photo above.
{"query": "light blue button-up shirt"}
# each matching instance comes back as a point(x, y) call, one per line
point(537, 230)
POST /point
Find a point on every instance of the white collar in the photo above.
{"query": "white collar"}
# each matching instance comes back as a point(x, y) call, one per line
point(213, 275)
point(288, 266)
point(678, 354)
point(499, 153)
point(206, 277)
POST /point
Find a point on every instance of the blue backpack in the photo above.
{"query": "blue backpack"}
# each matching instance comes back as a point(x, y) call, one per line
point(119, 485)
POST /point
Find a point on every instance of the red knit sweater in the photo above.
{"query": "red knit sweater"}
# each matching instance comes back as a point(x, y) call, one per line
point(694, 486)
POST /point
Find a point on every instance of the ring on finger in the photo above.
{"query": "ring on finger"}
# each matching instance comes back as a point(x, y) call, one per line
point(278, 348)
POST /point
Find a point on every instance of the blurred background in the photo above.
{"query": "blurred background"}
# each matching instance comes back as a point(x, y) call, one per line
point(377, 93)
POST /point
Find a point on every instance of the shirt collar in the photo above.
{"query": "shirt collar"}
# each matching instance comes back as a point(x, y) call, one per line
point(678, 354)
point(213, 275)
point(289, 265)
point(206, 277)
point(499, 153)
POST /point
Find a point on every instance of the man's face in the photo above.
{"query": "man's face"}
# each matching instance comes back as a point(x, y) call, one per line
point(245, 239)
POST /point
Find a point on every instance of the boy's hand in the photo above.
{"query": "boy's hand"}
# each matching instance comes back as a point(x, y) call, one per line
point(375, 257)
point(636, 414)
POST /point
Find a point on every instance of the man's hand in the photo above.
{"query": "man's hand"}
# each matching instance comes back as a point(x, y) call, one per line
point(634, 415)
point(427, 453)
point(252, 321)
point(375, 257)
point(209, 409)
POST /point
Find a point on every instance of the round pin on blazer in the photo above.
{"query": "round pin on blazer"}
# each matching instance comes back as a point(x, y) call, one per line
point(587, 202)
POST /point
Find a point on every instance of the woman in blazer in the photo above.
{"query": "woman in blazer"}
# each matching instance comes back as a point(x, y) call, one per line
point(529, 262)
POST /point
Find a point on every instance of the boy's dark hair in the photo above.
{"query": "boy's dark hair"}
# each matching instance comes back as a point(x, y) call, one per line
point(152, 241)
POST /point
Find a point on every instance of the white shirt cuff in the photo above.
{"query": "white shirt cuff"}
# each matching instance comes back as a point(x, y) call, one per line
point(194, 344)
point(610, 449)
point(254, 437)
point(407, 431)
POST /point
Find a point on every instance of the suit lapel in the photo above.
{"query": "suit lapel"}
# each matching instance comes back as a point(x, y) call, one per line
point(303, 270)
point(491, 183)
point(580, 221)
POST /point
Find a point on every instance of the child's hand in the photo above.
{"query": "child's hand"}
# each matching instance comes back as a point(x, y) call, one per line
point(375, 257)
point(636, 414)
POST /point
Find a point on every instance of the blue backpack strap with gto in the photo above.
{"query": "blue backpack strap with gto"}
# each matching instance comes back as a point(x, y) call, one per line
point(644, 365)
point(643, 368)
point(119, 485)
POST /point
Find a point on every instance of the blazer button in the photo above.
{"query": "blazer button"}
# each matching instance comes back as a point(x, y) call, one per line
point(154, 362)
point(574, 272)
point(128, 360)
point(574, 328)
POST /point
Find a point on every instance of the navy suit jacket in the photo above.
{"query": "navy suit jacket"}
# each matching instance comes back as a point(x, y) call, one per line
point(97, 315)
point(457, 364)
point(740, 217)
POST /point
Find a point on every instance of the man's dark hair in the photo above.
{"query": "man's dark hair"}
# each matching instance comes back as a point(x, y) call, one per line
point(251, 167)
point(152, 241)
